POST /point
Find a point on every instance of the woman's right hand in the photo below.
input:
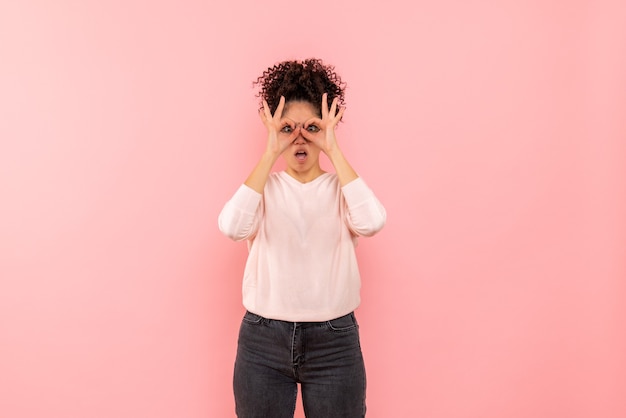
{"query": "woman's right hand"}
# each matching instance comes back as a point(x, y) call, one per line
point(280, 132)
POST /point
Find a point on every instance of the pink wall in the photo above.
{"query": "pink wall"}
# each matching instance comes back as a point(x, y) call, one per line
point(493, 132)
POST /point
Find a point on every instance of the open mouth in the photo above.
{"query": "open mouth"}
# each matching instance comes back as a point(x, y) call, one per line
point(300, 155)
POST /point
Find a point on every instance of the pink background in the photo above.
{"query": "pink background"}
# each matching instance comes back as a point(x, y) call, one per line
point(493, 131)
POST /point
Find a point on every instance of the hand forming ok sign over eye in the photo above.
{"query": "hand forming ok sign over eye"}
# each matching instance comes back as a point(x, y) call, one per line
point(322, 131)
point(280, 132)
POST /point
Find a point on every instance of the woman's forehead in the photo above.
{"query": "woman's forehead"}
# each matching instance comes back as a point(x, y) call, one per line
point(296, 110)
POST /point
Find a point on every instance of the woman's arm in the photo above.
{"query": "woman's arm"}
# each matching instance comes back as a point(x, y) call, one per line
point(240, 216)
point(239, 219)
point(365, 215)
point(277, 142)
point(324, 137)
point(345, 172)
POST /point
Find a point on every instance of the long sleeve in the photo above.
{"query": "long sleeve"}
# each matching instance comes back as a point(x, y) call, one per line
point(302, 263)
point(240, 217)
point(365, 214)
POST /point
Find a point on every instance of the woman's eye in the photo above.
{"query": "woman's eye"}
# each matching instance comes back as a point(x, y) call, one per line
point(286, 129)
point(312, 128)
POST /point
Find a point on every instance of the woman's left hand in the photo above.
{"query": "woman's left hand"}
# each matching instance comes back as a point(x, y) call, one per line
point(322, 131)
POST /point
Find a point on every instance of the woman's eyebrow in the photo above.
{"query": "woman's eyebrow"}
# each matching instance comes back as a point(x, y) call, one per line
point(294, 122)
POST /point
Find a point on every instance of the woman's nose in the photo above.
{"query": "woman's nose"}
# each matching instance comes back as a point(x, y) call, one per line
point(299, 138)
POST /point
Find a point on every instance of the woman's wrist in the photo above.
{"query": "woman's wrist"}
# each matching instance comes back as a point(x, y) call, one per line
point(344, 170)
point(334, 153)
point(270, 155)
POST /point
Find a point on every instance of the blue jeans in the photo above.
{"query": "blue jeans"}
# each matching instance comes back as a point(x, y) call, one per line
point(324, 357)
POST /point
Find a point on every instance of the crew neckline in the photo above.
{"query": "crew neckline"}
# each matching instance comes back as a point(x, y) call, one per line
point(293, 180)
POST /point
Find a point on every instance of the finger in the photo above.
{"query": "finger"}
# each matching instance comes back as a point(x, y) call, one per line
point(279, 109)
point(307, 135)
point(339, 114)
point(313, 121)
point(295, 134)
point(287, 122)
point(324, 105)
point(266, 111)
point(333, 107)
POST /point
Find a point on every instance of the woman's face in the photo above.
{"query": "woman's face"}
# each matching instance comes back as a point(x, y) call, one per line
point(302, 156)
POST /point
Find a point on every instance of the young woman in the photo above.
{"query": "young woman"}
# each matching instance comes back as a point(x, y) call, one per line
point(301, 281)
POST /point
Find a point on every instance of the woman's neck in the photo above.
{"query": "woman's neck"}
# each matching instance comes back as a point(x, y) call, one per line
point(305, 176)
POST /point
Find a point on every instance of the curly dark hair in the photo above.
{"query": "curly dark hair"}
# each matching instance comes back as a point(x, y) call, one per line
point(303, 80)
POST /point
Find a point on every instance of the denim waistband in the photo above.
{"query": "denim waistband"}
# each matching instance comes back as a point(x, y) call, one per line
point(260, 318)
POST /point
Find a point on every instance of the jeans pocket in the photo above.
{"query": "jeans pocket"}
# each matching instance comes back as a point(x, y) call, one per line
point(343, 323)
point(252, 318)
